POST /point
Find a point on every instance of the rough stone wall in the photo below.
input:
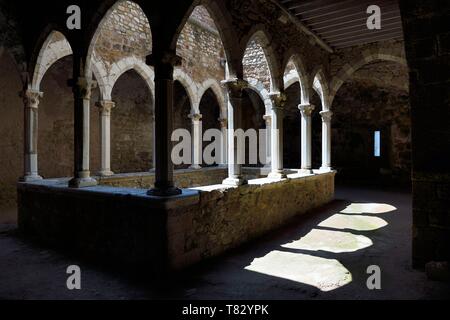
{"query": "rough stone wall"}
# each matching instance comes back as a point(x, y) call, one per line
point(125, 32)
point(255, 64)
point(131, 126)
point(375, 98)
point(201, 48)
point(11, 136)
point(428, 53)
point(226, 218)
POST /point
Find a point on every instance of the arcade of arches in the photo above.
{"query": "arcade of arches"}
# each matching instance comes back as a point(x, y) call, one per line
point(94, 119)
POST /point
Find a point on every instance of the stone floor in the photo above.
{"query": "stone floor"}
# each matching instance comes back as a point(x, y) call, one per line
point(322, 256)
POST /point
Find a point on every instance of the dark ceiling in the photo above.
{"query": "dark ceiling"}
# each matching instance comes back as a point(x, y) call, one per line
point(342, 24)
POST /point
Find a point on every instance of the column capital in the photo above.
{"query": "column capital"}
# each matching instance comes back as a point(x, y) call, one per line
point(164, 58)
point(223, 122)
point(105, 106)
point(306, 109)
point(278, 99)
point(235, 87)
point(31, 98)
point(195, 117)
point(326, 115)
point(83, 87)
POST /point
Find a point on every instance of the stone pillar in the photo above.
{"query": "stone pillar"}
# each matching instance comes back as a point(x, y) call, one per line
point(306, 111)
point(235, 89)
point(164, 63)
point(268, 120)
point(326, 140)
point(278, 102)
point(153, 143)
point(82, 89)
point(31, 100)
point(105, 107)
point(197, 141)
point(224, 144)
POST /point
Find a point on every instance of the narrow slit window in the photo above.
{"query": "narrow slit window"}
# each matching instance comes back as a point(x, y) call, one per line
point(377, 144)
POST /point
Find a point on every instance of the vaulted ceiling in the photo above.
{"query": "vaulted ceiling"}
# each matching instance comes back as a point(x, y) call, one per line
point(343, 23)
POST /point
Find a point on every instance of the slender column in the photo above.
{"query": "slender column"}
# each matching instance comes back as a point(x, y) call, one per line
point(306, 111)
point(197, 150)
point(82, 94)
point(224, 144)
point(278, 102)
point(164, 63)
point(31, 100)
point(235, 89)
point(268, 119)
point(105, 107)
point(326, 140)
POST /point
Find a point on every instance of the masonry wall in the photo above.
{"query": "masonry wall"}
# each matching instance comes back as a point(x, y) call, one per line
point(428, 53)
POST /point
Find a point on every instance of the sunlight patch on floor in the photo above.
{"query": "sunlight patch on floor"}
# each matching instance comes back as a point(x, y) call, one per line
point(330, 241)
point(353, 222)
point(324, 274)
point(369, 208)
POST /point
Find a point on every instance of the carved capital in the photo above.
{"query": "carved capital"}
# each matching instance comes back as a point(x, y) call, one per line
point(268, 119)
point(83, 87)
point(166, 58)
point(31, 98)
point(326, 116)
point(278, 99)
point(223, 122)
point(195, 117)
point(306, 109)
point(235, 87)
point(105, 106)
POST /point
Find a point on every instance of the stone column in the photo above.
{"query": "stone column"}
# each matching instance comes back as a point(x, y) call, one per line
point(224, 142)
point(31, 100)
point(105, 107)
point(235, 89)
point(306, 111)
point(197, 141)
point(278, 102)
point(268, 120)
point(164, 63)
point(153, 143)
point(326, 140)
point(82, 89)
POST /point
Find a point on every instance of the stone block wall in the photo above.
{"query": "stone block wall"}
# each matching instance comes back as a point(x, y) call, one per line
point(427, 40)
point(226, 218)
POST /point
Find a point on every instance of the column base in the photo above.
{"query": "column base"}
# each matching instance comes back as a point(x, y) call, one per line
point(326, 169)
point(82, 182)
point(235, 182)
point(106, 173)
point(195, 167)
point(166, 192)
point(30, 178)
point(306, 171)
point(277, 176)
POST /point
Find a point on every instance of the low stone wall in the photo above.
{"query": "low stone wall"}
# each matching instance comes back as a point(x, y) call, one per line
point(183, 178)
point(226, 217)
point(127, 227)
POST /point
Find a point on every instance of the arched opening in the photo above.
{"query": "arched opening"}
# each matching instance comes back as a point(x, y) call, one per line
point(253, 111)
point(131, 125)
point(182, 110)
point(11, 133)
point(316, 134)
point(56, 133)
point(292, 128)
point(210, 111)
point(255, 64)
point(372, 123)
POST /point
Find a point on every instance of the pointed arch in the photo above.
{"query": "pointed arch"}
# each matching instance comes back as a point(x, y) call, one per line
point(215, 87)
point(191, 88)
point(127, 64)
point(54, 48)
point(298, 74)
point(320, 85)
